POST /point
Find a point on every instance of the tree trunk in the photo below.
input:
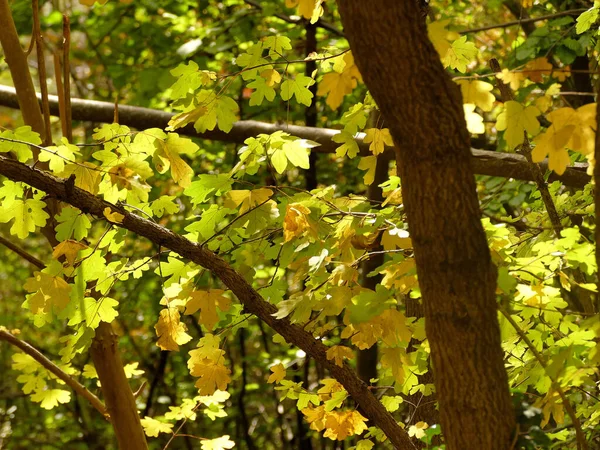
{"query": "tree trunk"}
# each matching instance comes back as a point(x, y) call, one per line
point(423, 109)
point(118, 397)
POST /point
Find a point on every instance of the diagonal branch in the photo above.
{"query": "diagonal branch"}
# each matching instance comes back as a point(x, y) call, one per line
point(22, 253)
point(498, 164)
point(53, 368)
point(251, 299)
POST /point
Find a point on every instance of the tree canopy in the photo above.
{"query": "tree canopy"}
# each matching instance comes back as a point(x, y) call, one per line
point(299, 224)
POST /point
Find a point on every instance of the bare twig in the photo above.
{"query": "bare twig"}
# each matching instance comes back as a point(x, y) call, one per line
point(22, 253)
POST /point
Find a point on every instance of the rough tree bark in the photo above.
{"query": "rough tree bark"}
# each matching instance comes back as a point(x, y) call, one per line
point(423, 109)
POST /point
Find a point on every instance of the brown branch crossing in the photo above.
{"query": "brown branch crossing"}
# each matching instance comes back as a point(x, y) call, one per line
point(499, 164)
point(251, 299)
point(53, 368)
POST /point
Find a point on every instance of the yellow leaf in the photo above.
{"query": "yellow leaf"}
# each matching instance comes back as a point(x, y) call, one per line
point(170, 331)
point(340, 425)
point(278, 373)
point(394, 328)
point(378, 138)
point(516, 119)
point(400, 276)
point(309, 9)
point(330, 387)
point(49, 291)
point(212, 376)
point(513, 79)
point(368, 163)
point(207, 302)
point(69, 249)
point(338, 353)
point(247, 199)
point(50, 398)
point(271, 76)
point(220, 443)
point(167, 155)
point(297, 222)
point(536, 68)
point(440, 37)
point(87, 175)
point(477, 92)
point(474, 121)
point(336, 85)
point(315, 417)
point(393, 358)
point(153, 427)
point(114, 217)
point(395, 238)
point(418, 429)
point(552, 144)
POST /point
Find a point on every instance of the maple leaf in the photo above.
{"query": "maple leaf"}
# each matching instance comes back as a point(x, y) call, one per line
point(474, 121)
point(478, 93)
point(99, 310)
point(22, 150)
point(207, 185)
point(349, 145)
point(516, 119)
point(153, 427)
point(395, 238)
point(553, 144)
point(164, 204)
point(113, 216)
point(87, 175)
point(440, 37)
point(586, 20)
point(278, 373)
point(262, 90)
point(207, 302)
point(309, 9)
point(212, 376)
point(69, 249)
point(27, 214)
point(284, 148)
point(536, 68)
point(297, 223)
point(340, 425)
point(277, 46)
point(170, 331)
point(394, 358)
point(513, 79)
point(418, 429)
point(247, 199)
point(50, 398)
point(378, 138)
point(48, 291)
point(298, 87)
point(400, 276)
point(394, 327)
point(336, 85)
point(315, 417)
point(167, 155)
point(338, 353)
point(460, 54)
point(220, 443)
point(368, 163)
point(58, 156)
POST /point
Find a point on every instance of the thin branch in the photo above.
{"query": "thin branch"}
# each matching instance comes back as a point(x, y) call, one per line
point(319, 23)
point(498, 164)
point(53, 368)
point(22, 253)
point(582, 443)
point(572, 12)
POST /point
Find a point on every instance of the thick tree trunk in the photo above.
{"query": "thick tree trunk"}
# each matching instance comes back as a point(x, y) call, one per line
point(423, 109)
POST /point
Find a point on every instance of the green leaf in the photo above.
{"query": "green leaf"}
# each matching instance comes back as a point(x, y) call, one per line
point(23, 134)
point(206, 185)
point(27, 214)
point(261, 91)
point(349, 146)
point(59, 156)
point(72, 223)
point(586, 20)
point(460, 54)
point(50, 398)
point(298, 87)
point(277, 45)
point(369, 304)
point(220, 110)
point(164, 204)
point(209, 220)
